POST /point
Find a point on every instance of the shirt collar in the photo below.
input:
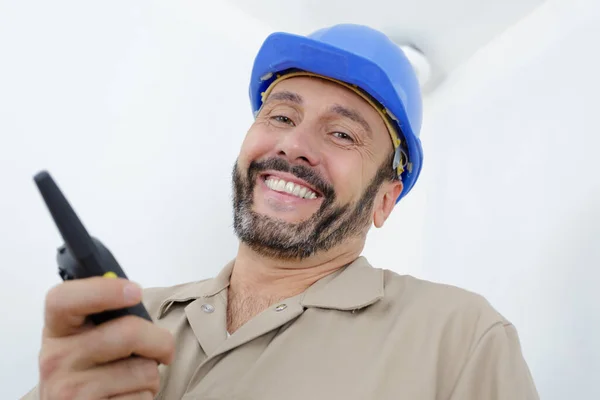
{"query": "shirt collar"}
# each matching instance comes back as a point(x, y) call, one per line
point(196, 290)
point(352, 287)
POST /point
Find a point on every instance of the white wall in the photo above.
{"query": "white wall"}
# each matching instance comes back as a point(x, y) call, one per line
point(138, 109)
point(513, 189)
point(125, 104)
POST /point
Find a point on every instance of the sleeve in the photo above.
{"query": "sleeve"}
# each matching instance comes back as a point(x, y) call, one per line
point(496, 369)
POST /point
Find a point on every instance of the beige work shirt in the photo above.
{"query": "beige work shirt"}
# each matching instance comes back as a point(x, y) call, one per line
point(360, 333)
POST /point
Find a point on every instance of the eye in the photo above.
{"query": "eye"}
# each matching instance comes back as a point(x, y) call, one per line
point(343, 136)
point(283, 119)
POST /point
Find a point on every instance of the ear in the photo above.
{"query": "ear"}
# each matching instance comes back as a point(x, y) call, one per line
point(384, 207)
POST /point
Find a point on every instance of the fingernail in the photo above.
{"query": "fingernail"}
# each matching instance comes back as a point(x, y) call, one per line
point(132, 292)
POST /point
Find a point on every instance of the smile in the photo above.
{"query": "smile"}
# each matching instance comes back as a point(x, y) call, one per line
point(294, 189)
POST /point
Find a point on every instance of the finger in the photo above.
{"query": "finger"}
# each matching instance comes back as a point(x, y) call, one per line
point(122, 377)
point(135, 396)
point(120, 338)
point(68, 303)
point(128, 376)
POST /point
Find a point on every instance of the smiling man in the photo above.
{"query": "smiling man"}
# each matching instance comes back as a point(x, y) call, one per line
point(298, 313)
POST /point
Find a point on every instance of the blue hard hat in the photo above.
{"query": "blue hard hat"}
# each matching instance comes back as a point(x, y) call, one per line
point(359, 56)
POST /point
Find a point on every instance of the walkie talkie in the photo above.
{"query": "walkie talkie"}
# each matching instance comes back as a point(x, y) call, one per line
point(81, 255)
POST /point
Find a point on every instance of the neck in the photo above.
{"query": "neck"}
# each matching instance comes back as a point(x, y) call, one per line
point(257, 281)
point(276, 279)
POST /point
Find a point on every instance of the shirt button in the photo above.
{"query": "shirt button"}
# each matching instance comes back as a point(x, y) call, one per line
point(207, 308)
point(281, 307)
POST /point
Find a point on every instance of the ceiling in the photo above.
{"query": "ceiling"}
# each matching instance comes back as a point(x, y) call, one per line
point(447, 32)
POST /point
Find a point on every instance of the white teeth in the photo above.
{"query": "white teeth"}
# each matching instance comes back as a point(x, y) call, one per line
point(280, 185)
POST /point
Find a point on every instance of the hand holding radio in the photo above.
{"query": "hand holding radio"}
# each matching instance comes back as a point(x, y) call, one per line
point(98, 340)
point(79, 359)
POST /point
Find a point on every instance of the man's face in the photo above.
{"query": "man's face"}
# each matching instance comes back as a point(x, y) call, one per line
point(310, 171)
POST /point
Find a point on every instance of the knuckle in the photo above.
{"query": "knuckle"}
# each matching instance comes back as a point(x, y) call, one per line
point(130, 330)
point(95, 342)
point(149, 370)
point(136, 325)
point(49, 361)
point(65, 389)
point(119, 335)
point(53, 299)
point(146, 371)
point(168, 342)
point(147, 395)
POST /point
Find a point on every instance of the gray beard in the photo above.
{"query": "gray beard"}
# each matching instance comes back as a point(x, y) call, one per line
point(328, 227)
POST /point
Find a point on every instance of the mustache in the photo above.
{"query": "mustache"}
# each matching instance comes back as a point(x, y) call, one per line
point(303, 172)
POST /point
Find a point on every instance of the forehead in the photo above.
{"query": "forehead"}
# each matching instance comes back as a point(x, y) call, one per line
point(321, 91)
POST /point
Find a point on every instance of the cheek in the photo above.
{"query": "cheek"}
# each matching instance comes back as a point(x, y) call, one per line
point(256, 145)
point(347, 176)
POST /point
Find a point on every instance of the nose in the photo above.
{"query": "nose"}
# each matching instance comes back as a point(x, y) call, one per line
point(299, 146)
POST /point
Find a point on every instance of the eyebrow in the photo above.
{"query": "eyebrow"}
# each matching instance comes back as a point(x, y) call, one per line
point(352, 115)
point(285, 96)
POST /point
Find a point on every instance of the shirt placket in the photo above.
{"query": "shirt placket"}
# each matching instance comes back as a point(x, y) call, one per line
point(214, 340)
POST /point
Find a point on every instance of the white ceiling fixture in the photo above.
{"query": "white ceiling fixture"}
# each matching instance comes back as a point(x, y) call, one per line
point(438, 35)
point(420, 63)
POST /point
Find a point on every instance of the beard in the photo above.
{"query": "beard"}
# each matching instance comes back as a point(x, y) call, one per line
point(328, 227)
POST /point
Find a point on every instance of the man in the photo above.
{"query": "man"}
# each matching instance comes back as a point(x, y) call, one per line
point(298, 313)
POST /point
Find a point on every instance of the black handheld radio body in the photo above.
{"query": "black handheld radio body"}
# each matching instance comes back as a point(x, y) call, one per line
point(81, 255)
